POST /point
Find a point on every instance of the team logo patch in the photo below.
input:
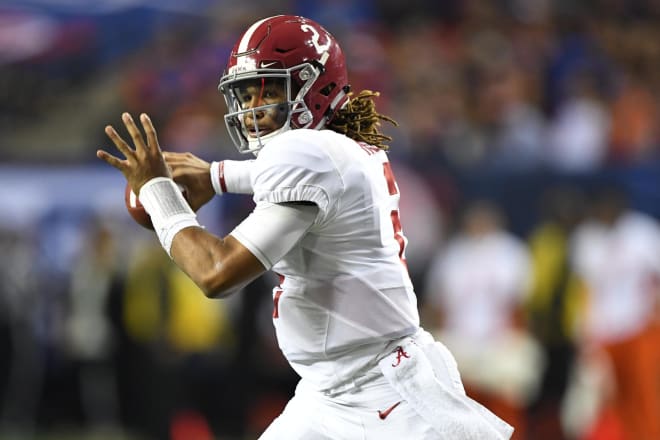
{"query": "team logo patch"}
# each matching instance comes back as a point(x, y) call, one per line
point(400, 354)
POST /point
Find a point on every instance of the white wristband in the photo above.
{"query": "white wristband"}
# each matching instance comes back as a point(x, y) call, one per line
point(231, 176)
point(168, 209)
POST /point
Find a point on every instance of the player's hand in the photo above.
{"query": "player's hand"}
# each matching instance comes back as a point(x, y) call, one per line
point(194, 174)
point(142, 163)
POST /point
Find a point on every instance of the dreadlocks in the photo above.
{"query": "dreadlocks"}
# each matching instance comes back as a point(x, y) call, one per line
point(359, 120)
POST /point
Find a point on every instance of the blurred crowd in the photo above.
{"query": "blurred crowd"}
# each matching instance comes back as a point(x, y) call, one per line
point(527, 152)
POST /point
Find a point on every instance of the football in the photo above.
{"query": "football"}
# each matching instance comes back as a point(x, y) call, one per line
point(135, 209)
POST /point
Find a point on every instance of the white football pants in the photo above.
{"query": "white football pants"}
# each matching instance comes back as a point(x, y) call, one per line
point(418, 396)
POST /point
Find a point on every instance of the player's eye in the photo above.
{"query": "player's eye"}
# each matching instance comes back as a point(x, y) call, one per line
point(244, 96)
point(274, 93)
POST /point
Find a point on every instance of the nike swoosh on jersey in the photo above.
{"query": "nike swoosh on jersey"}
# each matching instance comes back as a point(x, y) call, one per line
point(383, 414)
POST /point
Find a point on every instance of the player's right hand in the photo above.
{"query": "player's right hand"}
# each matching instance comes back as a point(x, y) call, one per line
point(194, 174)
point(144, 160)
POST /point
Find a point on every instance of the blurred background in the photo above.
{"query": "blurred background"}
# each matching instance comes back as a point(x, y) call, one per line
point(528, 158)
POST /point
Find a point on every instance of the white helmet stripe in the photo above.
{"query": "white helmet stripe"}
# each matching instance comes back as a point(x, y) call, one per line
point(243, 45)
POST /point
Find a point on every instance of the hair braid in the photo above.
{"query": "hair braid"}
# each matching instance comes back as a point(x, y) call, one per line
point(359, 120)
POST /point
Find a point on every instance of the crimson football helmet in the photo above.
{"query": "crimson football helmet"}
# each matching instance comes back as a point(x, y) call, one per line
point(299, 54)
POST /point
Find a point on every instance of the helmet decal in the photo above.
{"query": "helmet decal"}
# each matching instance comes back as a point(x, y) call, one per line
point(243, 44)
point(315, 38)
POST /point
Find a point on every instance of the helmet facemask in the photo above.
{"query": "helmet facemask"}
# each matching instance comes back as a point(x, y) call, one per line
point(292, 112)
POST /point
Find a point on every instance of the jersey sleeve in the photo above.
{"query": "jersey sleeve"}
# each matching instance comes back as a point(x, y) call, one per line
point(293, 168)
point(272, 230)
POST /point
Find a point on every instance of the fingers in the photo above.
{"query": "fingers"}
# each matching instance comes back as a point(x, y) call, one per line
point(150, 131)
point(110, 159)
point(175, 156)
point(138, 141)
point(122, 146)
point(173, 159)
point(142, 162)
point(136, 135)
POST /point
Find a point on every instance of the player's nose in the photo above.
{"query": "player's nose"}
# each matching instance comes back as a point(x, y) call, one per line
point(254, 114)
point(255, 103)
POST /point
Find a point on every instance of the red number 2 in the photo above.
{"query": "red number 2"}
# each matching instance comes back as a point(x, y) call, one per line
point(396, 220)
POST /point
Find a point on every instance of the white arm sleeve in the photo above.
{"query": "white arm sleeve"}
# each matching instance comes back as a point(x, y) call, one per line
point(273, 229)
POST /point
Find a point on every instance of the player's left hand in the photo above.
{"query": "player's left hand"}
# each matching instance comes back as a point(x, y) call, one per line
point(193, 174)
point(142, 163)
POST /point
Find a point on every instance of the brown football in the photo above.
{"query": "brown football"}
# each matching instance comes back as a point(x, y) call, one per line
point(135, 209)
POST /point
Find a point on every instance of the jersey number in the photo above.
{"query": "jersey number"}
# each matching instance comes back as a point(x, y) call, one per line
point(276, 303)
point(394, 214)
point(396, 225)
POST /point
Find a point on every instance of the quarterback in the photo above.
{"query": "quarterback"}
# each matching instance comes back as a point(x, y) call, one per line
point(326, 220)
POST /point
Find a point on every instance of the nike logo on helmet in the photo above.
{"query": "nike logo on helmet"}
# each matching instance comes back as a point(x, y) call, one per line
point(266, 65)
point(383, 414)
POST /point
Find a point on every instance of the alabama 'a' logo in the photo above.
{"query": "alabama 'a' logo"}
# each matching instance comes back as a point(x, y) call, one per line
point(400, 354)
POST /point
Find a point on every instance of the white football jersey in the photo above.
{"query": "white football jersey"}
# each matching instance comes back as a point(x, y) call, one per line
point(345, 291)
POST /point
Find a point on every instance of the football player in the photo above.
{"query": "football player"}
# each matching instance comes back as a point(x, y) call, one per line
point(327, 221)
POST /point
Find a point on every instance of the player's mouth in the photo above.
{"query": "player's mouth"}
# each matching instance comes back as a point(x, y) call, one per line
point(253, 133)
